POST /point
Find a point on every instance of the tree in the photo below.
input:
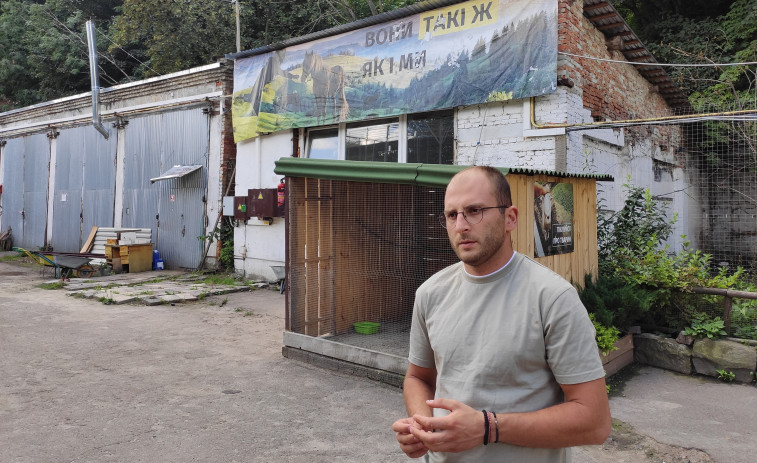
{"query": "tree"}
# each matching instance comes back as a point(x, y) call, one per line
point(43, 49)
point(16, 82)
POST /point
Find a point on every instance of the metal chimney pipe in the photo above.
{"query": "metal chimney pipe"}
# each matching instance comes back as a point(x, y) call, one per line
point(95, 79)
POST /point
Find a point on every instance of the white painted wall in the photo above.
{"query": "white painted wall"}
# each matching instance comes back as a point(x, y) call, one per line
point(497, 134)
point(493, 134)
point(257, 246)
point(214, 200)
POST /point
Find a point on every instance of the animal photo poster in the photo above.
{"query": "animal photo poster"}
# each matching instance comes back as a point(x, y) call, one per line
point(462, 54)
point(553, 218)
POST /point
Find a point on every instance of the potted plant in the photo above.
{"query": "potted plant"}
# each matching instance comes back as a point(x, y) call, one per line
point(616, 351)
point(614, 307)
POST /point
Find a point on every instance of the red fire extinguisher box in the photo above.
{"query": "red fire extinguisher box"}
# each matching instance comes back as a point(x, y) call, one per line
point(262, 203)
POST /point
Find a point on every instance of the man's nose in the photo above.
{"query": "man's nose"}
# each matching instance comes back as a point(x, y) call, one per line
point(461, 222)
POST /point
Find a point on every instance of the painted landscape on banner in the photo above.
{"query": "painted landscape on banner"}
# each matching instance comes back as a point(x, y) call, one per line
point(467, 53)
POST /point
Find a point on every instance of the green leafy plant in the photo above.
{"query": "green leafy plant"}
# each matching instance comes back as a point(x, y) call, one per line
point(606, 336)
point(54, 285)
point(614, 301)
point(225, 235)
point(727, 376)
point(702, 326)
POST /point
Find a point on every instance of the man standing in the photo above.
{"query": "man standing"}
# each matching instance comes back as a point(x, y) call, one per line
point(503, 361)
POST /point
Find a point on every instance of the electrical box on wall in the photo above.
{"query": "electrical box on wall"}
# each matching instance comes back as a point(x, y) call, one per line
point(228, 206)
point(262, 203)
point(241, 211)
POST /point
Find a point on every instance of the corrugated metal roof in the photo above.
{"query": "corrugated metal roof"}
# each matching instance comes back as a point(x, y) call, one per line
point(607, 20)
point(389, 172)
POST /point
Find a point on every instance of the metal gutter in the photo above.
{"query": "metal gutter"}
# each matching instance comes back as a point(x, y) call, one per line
point(94, 77)
point(115, 88)
point(122, 112)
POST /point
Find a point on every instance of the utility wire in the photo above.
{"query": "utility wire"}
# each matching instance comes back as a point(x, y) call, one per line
point(635, 63)
point(127, 52)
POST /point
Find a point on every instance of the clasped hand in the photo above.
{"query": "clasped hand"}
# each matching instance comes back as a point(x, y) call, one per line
point(461, 429)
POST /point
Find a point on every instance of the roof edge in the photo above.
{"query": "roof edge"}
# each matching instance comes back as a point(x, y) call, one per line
point(396, 173)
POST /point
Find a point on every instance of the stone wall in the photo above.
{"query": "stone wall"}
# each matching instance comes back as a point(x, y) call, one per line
point(701, 356)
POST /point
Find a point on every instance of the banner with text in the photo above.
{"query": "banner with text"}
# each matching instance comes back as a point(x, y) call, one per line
point(467, 53)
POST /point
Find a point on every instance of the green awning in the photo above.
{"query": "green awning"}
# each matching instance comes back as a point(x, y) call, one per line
point(370, 172)
point(390, 172)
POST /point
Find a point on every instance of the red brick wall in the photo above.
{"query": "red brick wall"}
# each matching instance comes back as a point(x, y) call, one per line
point(610, 91)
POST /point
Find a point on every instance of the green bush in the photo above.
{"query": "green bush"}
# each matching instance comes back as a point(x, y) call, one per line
point(606, 336)
point(642, 281)
point(614, 301)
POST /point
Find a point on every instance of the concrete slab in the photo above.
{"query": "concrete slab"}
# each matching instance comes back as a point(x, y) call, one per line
point(692, 411)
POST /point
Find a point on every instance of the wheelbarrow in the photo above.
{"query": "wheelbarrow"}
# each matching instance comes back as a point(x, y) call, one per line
point(64, 264)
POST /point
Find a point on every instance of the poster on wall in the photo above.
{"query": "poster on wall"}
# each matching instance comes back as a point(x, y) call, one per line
point(553, 218)
point(466, 53)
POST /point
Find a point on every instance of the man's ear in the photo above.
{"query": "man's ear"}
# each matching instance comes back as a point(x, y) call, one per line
point(511, 218)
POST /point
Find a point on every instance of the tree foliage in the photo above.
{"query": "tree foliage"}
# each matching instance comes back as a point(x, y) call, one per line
point(43, 52)
point(43, 45)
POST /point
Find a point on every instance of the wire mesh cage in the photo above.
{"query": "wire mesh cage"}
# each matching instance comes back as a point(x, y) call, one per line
point(707, 182)
point(357, 253)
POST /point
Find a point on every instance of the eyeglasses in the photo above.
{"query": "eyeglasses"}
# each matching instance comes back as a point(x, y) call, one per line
point(472, 215)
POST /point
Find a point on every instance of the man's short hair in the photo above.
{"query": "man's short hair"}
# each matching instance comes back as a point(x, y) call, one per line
point(498, 181)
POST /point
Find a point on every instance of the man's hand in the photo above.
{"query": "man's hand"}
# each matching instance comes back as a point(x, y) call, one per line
point(461, 430)
point(409, 444)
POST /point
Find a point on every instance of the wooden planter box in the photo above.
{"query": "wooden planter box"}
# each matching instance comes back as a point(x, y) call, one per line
point(620, 357)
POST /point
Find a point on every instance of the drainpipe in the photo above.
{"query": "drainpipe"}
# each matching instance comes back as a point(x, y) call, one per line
point(95, 79)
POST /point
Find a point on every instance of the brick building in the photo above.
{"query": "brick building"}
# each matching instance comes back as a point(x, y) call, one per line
point(569, 129)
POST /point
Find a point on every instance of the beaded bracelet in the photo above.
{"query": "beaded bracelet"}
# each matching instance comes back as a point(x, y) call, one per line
point(486, 427)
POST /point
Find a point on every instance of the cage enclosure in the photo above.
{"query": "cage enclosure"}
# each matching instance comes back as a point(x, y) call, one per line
point(362, 236)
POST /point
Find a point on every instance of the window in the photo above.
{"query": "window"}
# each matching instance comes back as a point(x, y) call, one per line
point(426, 138)
point(323, 144)
point(371, 141)
point(430, 138)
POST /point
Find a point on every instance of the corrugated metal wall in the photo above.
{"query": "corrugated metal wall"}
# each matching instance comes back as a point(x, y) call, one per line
point(84, 186)
point(173, 209)
point(36, 175)
point(25, 189)
point(13, 189)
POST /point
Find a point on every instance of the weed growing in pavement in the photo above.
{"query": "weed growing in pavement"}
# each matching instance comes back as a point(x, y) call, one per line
point(13, 257)
point(106, 300)
point(726, 376)
point(203, 295)
point(54, 285)
point(228, 280)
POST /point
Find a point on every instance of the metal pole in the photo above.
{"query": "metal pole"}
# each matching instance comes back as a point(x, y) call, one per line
point(239, 40)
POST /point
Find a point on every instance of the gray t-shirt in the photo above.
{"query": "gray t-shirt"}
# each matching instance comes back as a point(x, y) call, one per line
point(505, 343)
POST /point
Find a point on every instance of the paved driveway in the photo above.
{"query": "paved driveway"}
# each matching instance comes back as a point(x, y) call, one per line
point(204, 380)
point(196, 381)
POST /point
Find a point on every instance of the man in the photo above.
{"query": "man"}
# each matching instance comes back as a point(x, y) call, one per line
point(502, 351)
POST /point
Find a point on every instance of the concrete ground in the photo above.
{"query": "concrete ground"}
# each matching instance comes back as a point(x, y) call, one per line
point(204, 380)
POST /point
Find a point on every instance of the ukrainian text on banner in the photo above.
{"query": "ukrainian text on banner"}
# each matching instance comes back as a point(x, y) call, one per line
point(467, 53)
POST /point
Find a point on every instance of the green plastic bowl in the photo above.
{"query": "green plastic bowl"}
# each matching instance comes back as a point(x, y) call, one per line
point(366, 327)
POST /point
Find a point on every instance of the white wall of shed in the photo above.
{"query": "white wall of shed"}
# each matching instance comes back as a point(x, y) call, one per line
point(214, 200)
point(257, 246)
